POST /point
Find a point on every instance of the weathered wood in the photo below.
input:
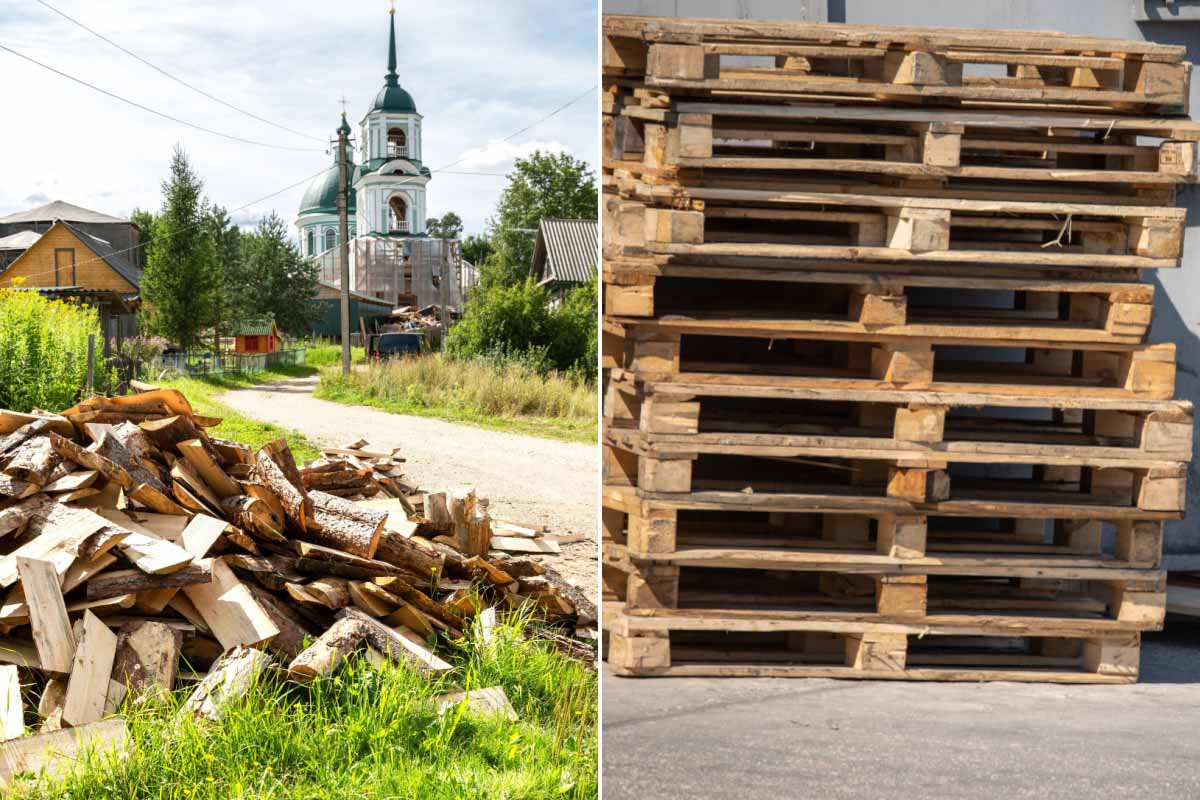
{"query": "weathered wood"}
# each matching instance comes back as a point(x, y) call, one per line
point(292, 495)
point(411, 555)
point(228, 680)
point(33, 462)
point(87, 688)
point(395, 646)
point(48, 614)
point(489, 702)
point(208, 467)
point(345, 525)
point(322, 657)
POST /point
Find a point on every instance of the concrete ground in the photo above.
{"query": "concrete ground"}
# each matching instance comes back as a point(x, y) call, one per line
point(826, 740)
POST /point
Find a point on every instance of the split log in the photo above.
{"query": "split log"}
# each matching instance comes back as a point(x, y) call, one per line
point(333, 593)
point(56, 752)
point(229, 610)
point(396, 647)
point(412, 556)
point(322, 657)
point(50, 704)
point(48, 615)
point(205, 462)
point(15, 517)
point(472, 526)
point(292, 496)
point(168, 432)
point(132, 581)
point(293, 629)
point(229, 679)
point(91, 671)
point(346, 526)
point(147, 659)
point(12, 709)
point(33, 462)
point(12, 441)
point(16, 489)
point(416, 597)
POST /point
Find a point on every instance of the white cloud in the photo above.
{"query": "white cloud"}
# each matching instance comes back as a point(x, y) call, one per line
point(478, 71)
point(500, 152)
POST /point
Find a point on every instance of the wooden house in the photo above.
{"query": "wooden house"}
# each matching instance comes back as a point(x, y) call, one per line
point(258, 337)
point(564, 254)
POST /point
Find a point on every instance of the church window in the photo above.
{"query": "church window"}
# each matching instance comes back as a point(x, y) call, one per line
point(397, 144)
point(312, 246)
point(398, 218)
point(330, 238)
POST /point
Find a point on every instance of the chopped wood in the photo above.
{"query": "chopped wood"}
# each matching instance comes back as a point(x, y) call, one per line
point(230, 610)
point(292, 496)
point(12, 708)
point(339, 523)
point(322, 657)
point(147, 657)
point(517, 544)
point(48, 614)
point(87, 688)
point(33, 462)
point(55, 752)
point(205, 462)
point(228, 680)
point(489, 702)
point(132, 581)
point(395, 646)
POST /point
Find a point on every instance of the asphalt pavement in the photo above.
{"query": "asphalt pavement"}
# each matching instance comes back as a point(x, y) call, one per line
point(702, 738)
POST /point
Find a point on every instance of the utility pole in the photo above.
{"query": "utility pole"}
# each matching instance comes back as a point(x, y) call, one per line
point(344, 240)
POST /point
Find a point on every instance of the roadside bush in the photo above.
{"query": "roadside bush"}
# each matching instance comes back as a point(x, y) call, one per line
point(515, 323)
point(43, 351)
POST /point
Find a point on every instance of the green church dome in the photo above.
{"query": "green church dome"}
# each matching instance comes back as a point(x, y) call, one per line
point(392, 97)
point(321, 195)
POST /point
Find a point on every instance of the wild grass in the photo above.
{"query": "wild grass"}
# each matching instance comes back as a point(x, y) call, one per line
point(500, 395)
point(367, 732)
point(323, 353)
point(203, 393)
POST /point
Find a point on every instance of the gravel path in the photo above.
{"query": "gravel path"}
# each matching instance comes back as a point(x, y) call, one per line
point(526, 479)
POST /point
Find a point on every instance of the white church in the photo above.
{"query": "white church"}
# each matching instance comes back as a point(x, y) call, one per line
point(391, 255)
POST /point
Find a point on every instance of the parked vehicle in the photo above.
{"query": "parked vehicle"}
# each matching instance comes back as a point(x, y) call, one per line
point(389, 345)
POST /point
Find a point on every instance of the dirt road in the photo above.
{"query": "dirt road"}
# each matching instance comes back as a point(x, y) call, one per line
point(526, 479)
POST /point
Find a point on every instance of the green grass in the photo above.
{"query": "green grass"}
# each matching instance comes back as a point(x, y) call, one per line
point(366, 733)
point(203, 393)
point(322, 354)
point(501, 396)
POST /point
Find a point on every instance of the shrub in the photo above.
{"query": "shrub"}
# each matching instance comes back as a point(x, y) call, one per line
point(43, 351)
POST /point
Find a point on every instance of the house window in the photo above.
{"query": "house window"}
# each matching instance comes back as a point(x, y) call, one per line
point(398, 218)
point(330, 238)
point(312, 246)
point(397, 143)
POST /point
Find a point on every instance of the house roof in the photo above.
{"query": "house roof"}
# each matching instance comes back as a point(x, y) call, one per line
point(58, 210)
point(258, 327)
point(22, 240)
point(565, 251)
point(118, 260)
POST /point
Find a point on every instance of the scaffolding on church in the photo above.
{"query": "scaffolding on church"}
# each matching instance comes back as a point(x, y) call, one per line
point(403, 272)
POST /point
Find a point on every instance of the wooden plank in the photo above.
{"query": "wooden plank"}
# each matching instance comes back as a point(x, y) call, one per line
point(201, 533)
point(230, 610)
point(48, 614)
point(91, 670)
point(489, 702)
point(12, 709)
point(519, 544)
point(56, 752)
point(147, 658)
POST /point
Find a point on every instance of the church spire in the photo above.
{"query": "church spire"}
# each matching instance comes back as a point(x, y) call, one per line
point(391, 77)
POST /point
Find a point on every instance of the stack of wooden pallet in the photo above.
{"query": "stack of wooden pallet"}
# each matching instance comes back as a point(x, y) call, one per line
point(132, 539)
point(879, 401)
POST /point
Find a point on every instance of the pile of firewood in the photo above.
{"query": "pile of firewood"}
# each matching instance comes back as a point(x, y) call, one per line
point(130, 537)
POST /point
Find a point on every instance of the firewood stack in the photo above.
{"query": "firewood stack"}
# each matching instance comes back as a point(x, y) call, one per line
point(131, 537)
point(356, 470)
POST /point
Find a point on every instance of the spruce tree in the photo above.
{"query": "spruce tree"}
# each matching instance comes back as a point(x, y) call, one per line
point(182, 284)
point(281, 282)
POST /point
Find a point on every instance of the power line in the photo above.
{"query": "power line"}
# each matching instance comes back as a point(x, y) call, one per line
point(155, 112)
point(178, 80)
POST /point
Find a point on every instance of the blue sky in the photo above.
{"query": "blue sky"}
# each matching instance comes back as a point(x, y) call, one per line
point(478, 71)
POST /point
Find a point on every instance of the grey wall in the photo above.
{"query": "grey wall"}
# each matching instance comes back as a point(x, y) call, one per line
point(1177, 303)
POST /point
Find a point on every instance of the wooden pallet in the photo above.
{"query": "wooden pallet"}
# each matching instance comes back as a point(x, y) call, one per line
point(733, 642)
point(893, 64)
point(836, 358)
point(952, 147)
point(929, 304)
point(895, 229)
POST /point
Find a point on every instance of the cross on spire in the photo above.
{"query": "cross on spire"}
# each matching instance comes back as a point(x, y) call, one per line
point(343, 103)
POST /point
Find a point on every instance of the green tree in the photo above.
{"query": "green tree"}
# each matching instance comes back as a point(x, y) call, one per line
point(182, 282)
point(476, 248)
point(280, 283)
point(144, 221)
point(448, 226)
point(545, 185)
point(235, 285)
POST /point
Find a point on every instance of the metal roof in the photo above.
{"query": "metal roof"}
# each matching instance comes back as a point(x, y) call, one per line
point(565, 251)
point(58, 210)
point(256, 327)
point(119, 261)
point(22, 240)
